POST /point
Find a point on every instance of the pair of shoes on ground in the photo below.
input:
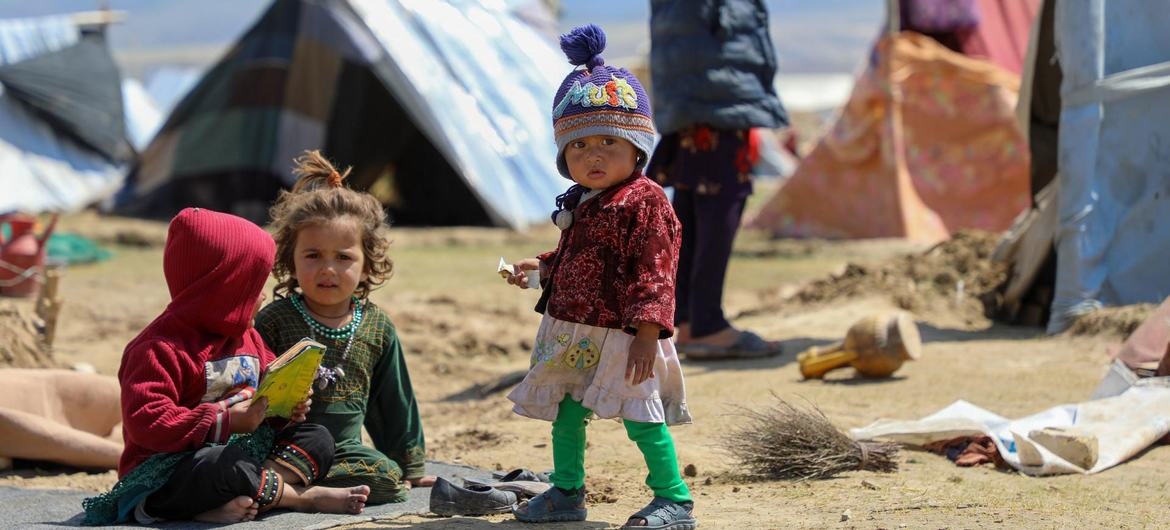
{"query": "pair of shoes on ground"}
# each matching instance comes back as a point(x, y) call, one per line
point(747, 345)
point(486, 497)
point(554, 506)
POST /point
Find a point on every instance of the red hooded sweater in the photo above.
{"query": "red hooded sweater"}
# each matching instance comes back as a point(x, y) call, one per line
point(201, 355)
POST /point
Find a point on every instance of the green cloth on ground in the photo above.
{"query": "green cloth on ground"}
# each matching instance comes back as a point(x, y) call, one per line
point(69, 249)
point(72, 249)
point(374, 391)
point(653, 439)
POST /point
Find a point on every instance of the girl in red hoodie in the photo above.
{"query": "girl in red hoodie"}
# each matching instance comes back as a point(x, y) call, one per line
point(197, 445)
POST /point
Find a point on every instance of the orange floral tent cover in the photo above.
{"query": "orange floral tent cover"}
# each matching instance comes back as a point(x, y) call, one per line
point(927, 144)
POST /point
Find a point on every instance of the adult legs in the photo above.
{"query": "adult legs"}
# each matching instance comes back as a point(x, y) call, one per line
point(60, 416)
point(684, 208)
point(716, 221)
point(32, 437)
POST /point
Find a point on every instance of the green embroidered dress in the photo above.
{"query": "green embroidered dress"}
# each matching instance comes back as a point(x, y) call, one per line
point(374, 391)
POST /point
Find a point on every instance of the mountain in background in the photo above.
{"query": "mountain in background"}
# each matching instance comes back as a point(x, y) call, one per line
point(810, 35)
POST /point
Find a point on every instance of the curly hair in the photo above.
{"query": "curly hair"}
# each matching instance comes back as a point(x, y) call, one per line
point(318, 197)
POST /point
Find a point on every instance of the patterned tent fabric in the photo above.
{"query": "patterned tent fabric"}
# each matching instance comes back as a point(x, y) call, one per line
point(440, 107)
point(936, 151)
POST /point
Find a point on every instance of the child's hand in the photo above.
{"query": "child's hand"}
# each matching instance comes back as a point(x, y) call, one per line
point(301, 410)
point(520, 277)
point(643, 353)
point(248, 414)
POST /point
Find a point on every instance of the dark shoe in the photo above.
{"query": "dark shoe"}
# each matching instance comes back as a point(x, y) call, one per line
point(552, 506)
point(664, 514)
point(524, 489)
point(522, 474)
point(747, 345)
point(449, 499)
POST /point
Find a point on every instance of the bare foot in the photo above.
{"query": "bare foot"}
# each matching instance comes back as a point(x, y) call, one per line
point(335, 500)
point(422, 482)
point(237, 510)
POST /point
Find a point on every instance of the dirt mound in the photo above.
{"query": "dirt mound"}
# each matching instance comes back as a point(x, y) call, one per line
point(955, 277)
point(21, 343)
point(1120, 321)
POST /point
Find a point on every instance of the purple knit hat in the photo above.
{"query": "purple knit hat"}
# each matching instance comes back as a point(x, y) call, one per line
point(599, 99)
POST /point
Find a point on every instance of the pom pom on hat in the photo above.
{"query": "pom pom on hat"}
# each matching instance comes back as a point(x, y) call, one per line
point(583, 46)
point(600, 99)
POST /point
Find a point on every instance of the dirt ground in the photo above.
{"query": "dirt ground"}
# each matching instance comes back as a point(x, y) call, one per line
point(464, 330)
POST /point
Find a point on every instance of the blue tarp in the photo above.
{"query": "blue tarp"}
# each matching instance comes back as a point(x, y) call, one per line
point(1114, 154)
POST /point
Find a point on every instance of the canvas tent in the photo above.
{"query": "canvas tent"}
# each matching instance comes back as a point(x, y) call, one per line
point(440, 107)
point(927, 143)
point(63, 138)
point(1107, 204)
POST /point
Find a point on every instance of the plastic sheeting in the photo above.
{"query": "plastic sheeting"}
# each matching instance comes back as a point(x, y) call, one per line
point(1113, 156)
point(40, 169)
point(24, 38)
point(441, 108)
point(78, 90)
point(479, 83)
point(1122, 426)
point(143, 117)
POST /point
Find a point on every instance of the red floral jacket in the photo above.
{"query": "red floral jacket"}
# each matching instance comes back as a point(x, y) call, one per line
point(615, 266)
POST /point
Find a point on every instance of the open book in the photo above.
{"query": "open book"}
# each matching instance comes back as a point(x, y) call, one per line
point(290, 377)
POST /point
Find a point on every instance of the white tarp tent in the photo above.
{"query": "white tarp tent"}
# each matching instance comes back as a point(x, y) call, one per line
point(1114, 198)
point(40, 168)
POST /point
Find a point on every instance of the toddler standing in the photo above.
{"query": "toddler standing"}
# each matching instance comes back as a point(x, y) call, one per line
point(603, 348)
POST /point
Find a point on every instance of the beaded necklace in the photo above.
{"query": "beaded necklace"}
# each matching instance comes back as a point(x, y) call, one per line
point(325, 375)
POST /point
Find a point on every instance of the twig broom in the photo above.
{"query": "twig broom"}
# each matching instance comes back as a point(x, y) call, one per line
point(787, 442)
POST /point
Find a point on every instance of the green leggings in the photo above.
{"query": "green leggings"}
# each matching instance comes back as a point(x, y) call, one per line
point(568, 435)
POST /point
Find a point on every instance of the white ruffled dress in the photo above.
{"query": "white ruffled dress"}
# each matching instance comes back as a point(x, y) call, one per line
point(589, 363)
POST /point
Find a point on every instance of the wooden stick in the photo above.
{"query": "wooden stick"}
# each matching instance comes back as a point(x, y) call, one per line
point(48, 306)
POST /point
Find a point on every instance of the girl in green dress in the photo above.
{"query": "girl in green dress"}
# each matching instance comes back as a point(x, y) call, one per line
point(330, 252)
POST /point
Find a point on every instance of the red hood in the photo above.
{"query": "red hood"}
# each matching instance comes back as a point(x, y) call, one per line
point(216, 265)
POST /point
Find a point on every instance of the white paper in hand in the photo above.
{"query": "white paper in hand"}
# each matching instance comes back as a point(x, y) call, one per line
point(533, 276)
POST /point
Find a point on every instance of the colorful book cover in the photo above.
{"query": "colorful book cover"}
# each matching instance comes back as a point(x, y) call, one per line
point(290, 377)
